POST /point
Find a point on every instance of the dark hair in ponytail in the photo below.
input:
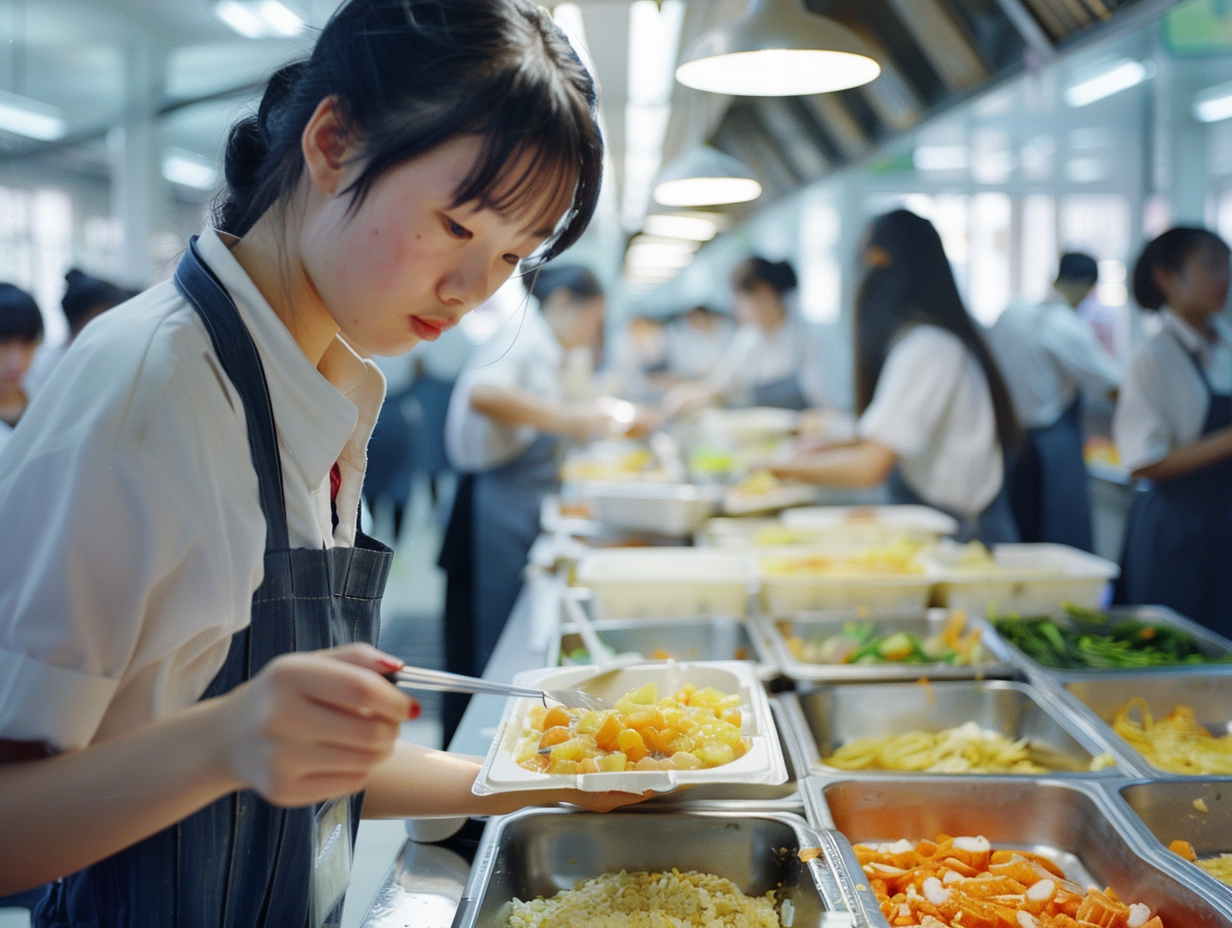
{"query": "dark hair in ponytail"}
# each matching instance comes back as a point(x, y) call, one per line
point(579, 282)
point(911, 283)
point(755, 271)
point(1169, 251)
point(412, 74)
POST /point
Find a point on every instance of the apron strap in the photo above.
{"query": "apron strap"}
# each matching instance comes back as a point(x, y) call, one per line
point(242, 363)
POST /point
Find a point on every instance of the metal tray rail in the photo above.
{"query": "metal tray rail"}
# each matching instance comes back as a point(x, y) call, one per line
point(1005, 663)
point(1072, 821)
point(538, 852)
point(1211, 644)
point(1161, 811)
point(824, 716)
point(1095, 700)
point(687, 638)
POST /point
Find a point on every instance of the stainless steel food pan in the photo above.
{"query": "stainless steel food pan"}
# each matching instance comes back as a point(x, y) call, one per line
point(1069, 821)
point(825, 717)
point(1197, 811)
point(1209, 643)
point(696, 638)
point(539, 852)
point(819, 626)
point(1097, 699)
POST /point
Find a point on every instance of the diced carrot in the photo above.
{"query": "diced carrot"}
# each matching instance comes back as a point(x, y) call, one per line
point(1184, 849)
point(630, 741)
point(609, 731)
point(1101, 910)
point(1044, 862)
point(555, 735)
point(1154, 922)
point(556, 716)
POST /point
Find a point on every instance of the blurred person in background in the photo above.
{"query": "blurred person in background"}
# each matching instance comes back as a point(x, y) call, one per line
point(21, 333)
point(1049, 357)
point(503, 432)
point(936, 419)
point(639, 369)
point(695, 342)
point(763, 363)
point(1173, 428)
point(85, 298)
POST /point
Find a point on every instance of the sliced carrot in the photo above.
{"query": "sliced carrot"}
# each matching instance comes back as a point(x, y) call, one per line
point(1184, 849)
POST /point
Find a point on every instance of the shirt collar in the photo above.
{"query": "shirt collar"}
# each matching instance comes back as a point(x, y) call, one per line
point(1191, 339)
point(316, 409)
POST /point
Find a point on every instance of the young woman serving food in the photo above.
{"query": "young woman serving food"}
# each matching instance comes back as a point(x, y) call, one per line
point(186, 626)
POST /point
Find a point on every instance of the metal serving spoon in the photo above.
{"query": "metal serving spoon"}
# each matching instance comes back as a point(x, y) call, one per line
point(418, 678)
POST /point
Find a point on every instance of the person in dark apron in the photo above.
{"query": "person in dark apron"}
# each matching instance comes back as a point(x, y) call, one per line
point(503, 431)
point(1050, 498)
point(1178, 543)
point(368, 207)
point(936, 421)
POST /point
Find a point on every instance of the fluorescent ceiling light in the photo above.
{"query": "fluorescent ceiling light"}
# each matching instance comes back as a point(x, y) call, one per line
point(705, 176)
point(259, 19)
point(1213, 104)
point(1110, 79)
point(30, 118)
point(940, 158)
point(189, 170)
point(651, 253)
point(697, 228)
point(778, 49)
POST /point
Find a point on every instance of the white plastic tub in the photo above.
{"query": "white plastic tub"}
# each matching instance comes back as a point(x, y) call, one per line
point(883, 590)
point(871, 521)
point(675, 510)
point(664, 582)
point(1028, 579)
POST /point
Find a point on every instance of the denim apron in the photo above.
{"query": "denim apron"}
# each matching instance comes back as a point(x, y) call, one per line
point(1048, 488)
point(781, 394)
point(242, 862)
point(1178, 545)
point(994, 526)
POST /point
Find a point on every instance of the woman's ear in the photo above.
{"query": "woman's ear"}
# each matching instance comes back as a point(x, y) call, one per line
point(1164, 279)
point(327, 148)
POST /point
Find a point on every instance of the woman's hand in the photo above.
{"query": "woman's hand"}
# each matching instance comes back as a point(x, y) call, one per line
point(312, 726)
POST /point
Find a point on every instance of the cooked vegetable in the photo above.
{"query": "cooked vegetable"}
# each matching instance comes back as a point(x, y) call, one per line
point(1219, 867)
point(1091, 639)
point(899, 557)
point(965, 749)
point(964, 883)
point(1177, 743)
point(859, 643)
point(691, 730)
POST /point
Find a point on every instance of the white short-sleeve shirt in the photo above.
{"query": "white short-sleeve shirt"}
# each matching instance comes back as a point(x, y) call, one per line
point(130, 500)
point(524, 354)
point(1047, 354)
point(933, 408)
point(1163, 401)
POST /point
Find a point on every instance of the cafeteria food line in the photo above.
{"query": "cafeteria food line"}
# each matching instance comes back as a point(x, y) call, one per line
point(863, 624)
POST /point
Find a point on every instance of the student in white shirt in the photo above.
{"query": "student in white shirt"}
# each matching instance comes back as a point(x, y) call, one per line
point(1049, 357)
point(695, 342)
point(507, 415)
point(184, 500)
point(936, 419)
point(21, 333)
point(1173, 428)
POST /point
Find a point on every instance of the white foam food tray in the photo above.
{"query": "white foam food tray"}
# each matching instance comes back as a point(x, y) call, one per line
point(633, 583)
point(763, 764)
point(1027, 579)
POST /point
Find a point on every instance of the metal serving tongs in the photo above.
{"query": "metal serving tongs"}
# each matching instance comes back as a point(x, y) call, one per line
point(419, 678)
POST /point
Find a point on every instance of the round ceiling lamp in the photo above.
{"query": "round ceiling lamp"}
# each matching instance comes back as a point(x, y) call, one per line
point(778, 49)
point(705, 176)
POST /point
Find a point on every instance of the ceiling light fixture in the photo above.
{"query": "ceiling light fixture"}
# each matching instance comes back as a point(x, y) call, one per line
point(940, 158)
point(1213, 104)
point(705, 176)
point(189, 170)
point(1109, 79)
point(695, 228)
point(30, 118)
point(259, 19)
point(778, 49)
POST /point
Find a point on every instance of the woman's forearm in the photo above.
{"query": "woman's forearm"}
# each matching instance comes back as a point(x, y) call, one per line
point(517, 407)
point(63, 813)
point(1208, 450)
point(861, 464)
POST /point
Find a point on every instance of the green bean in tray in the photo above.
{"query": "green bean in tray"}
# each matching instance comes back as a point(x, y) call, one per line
point(1095, 641)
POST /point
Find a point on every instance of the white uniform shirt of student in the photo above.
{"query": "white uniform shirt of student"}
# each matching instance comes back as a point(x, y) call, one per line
point(1163, 402)
point(754, 359)
point(932, 407)
point(693, 353)
point(134, 496)
point(1047, 354)
point(523, 354)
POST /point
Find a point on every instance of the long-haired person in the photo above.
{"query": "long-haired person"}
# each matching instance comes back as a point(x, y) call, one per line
point(191, 704)
point(1173, 428)
point(936, 419)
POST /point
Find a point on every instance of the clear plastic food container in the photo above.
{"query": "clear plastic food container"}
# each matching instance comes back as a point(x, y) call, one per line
point(1027, 579)
point(640, 583)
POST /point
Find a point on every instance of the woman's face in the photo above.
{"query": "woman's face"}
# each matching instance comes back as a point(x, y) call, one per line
point(408, 264)
point(575, 322)
point(760, 306)
point(1200, 287)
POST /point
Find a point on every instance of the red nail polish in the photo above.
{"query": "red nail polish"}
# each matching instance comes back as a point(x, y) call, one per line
point(416, 709)
point(389, 664)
